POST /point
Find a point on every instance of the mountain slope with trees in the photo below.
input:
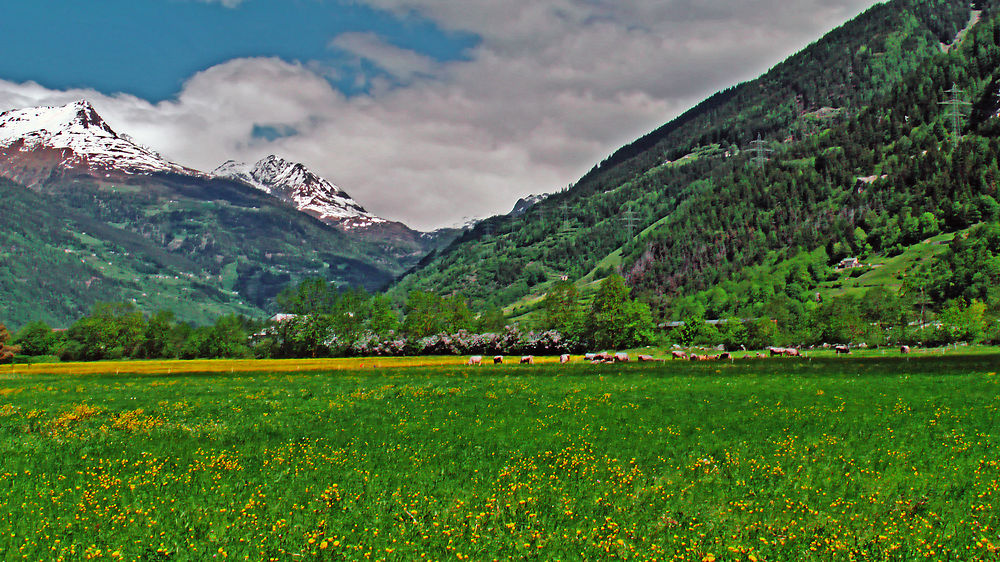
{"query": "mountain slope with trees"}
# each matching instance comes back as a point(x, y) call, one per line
point(859, 161)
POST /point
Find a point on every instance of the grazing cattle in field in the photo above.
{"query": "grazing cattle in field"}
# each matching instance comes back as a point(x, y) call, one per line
point(678, 355)
point(476, 360)
point(699, 357)
point(604, 357)
point(792, 352)
point(776, 351)
point(904, 349)
point(726, 356)
point(564, 358)
point(838, 349)
point(761, 356)
point(648, 358)
point(621, 358)
point(498, 359)
point(862, 345)
point(527, 360)
point(590, 357)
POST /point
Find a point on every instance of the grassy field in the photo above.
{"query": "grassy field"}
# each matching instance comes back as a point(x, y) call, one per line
point(874, 457)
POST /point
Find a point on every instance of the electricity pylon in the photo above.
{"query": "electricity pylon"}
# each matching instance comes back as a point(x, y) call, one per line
point(956, 109)
point(760, 151)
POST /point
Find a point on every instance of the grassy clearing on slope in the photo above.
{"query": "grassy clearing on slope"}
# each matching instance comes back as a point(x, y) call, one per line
point(767, 460)
point(889, 271)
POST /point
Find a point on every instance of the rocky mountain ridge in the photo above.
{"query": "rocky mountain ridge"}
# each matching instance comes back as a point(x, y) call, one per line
point(296, 184)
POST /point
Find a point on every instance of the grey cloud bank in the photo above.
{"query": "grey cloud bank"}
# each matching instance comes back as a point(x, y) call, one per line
point(553, 87)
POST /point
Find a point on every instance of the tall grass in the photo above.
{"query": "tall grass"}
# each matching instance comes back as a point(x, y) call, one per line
point(771, 460)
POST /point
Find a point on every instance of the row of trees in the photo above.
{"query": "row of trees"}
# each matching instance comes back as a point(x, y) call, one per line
point(351, 323)
point(120, 330)
point(878, 317)
point(322, 322)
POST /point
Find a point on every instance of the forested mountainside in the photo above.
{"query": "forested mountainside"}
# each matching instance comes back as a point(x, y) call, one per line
point(860, 160)
point(198, 246)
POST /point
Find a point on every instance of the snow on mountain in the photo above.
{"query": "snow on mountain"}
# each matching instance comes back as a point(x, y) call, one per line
point(83, 139)
point(296, 184)
point(36, 141)
point(525, 203)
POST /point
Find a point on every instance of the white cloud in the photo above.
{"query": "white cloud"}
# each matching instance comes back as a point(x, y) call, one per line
point(553, 87)
point(402, 64)
point(226, 3)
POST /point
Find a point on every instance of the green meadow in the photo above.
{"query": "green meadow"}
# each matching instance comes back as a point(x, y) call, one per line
point(883, 458)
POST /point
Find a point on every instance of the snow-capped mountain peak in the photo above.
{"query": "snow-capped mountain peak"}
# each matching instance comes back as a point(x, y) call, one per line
point(82, 137)
point(295, 183)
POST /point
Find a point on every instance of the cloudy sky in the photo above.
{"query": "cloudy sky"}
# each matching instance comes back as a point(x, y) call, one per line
point(426, 111)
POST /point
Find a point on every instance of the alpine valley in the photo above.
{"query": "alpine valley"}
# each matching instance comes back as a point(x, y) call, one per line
point(876, 145)
point(89, 215)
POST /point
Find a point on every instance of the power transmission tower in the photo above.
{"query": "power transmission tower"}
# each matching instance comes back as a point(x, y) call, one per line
point(956, 109)
point(630, 221)
point(760, 151)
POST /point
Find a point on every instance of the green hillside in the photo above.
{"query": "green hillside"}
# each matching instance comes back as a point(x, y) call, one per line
point(860, 162)
point(202, 248)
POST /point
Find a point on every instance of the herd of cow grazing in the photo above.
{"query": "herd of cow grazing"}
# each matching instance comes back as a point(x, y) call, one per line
point(565, 358)
point(599, 358)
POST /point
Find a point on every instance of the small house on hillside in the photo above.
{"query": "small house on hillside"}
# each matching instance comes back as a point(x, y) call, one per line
point(849, 263)
point(279, 318)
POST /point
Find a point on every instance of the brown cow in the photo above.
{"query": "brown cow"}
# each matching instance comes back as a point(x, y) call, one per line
point(621, 358)
point(776, 351)
point(726, 356)
point(678, 355)
point(838, 349)
point(792, 352)
point(475, 360)
point(564, 358)
point(648, 358)
point(527, 360)
point(589, 356)
point(497, 359)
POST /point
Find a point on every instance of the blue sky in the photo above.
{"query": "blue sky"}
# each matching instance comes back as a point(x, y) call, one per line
point(148, 48)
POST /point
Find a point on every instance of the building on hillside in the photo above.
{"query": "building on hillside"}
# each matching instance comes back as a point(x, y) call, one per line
point(849, 263)
point(279, 318)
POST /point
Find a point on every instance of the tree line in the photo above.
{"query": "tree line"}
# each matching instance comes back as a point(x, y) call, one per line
point(321, 321)
point(324, 322)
